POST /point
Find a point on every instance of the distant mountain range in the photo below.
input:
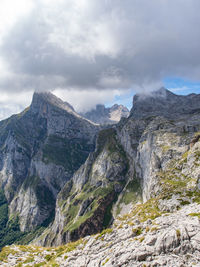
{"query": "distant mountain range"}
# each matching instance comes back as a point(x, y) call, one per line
point(103, 115)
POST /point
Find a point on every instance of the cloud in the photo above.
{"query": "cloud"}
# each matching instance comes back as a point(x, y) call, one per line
point(99, 45)
point(85, 100)
point(13, 102)
point(103, 44)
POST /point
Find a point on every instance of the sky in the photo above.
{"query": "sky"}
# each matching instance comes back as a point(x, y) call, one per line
point(96, 51)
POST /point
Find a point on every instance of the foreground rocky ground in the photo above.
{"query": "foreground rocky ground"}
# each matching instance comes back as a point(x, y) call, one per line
point(172, 239)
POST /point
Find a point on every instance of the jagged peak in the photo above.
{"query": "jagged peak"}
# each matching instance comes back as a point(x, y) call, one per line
point(163, 102)
point(40, 99)
point(107, 115)
point(50, 98)
point(119, 107)
point(160, 93)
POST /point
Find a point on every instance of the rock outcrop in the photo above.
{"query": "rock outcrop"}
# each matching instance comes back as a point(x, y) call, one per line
point(103, 115)
point(84, 205)
point(171, 239)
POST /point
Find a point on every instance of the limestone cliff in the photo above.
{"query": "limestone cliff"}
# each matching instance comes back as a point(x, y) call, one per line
point(155, 153)
point(131, 160)
point(40, 149)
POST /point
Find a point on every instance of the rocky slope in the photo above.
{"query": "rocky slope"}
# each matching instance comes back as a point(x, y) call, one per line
point(84, 205)
point(142, 180)
point(40, 149)
point(171, 240)
point(129, 164)
point(103, 115)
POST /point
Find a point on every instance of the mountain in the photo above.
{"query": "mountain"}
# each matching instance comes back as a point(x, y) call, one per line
point(128, 166)
point(164, 103)
point(135, 201)
point(40, 149)
point(103, 115)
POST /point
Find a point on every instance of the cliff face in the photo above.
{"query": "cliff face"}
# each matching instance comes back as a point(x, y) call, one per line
point(143, 179)
point(40, 149)
point(103, 115)
point(84, 205)
point(132, 163)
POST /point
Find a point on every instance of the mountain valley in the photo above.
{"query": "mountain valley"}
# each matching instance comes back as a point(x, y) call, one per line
point(78, 193)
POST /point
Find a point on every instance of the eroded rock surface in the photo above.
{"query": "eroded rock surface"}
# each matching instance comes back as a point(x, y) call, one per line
point(40, 149)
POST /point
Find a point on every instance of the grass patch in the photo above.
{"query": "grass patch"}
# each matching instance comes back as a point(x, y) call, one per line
point(104, 232)
point(137, 231)
point(195, 215)
point(178, 233)
point(132, 193)
point(29, 259)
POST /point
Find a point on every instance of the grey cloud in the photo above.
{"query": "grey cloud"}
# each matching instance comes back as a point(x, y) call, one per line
point(103, 44)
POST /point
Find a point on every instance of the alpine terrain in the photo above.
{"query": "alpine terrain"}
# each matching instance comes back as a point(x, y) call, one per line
point(40, 149)
point(120, 195)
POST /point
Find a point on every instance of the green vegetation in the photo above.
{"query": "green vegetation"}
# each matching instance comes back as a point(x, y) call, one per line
point(108, 213)
point(173, 181)
point(107, 139)
point(133, 189)
point(9, 228)
point(70, 154)
point(71, 211)
point(137, 231)
point(27, 237)
point(145, 211)
point(44, 196)
point(48, 257)
point(105, 261)
point(29, 259)
point(132, 194)
point(31, 251)
point(195, 215)
point(105, 231)
point(3, 211)
point(141, 239)
point(5, 252)
point(165, 148)
point(40, 264)
point(178, 233)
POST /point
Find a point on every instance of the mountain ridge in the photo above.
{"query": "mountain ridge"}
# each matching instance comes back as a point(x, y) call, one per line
point(164, 103)
point(143, 181)
point(40, 149)
point(103, 115)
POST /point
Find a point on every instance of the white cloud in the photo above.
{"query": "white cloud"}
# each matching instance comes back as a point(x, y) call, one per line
point(12, 103)
point(85, 100)
point(10, 12)
point(98, 46)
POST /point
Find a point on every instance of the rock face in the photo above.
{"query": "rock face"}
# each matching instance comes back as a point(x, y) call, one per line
point(40, 149)
point(164, 103)
point(84, 205)
point(143, 181)
point(103, 115)
point(131, 160)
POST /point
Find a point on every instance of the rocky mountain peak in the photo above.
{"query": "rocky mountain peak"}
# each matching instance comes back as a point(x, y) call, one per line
point(158, 95)
point(162, 102)
point(110, 115)
point(41, 99)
